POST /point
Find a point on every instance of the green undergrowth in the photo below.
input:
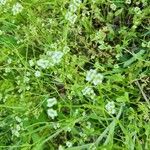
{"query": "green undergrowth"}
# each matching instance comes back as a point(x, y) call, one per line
point(74, 75)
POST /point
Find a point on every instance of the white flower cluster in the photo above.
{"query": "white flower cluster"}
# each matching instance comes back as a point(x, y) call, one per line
point(69, 144)
point(17, 8)
point(88, 91)
point(37, 73)
point(110, 107)
point(94, 77)
point(3, 2)
point(51, 112)
point(55, 57)
point(113, 6)
point(16, 129)
point(71, 14)
point(52, 58)
point(128, 1)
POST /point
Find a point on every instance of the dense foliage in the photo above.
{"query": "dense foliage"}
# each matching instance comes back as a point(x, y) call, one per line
point(74, 74)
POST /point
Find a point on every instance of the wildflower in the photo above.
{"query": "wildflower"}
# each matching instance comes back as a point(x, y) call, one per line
point(137, 10)
point(26, 79)
point(17, 8)
point(94, 77)
point(113, 6)
point(28, 74)
point(71, 17)
point(56, 57)
point(72, 8)
point(1, 32)
point(68, 129)
point(110, 107)
point(88, 91)
point(3, 2)
point(98, 79)
point(31, 63)
point(15, 130)
point(89, 125)
point(43, 63)
point(51, 102)
point(66, 49)
point(28, 88)
point(18, 119)
point(52, 113)
point(37, 73)
point(9, 61)
point(7, 70)
point(128, 1)
point(56, 125)
point(77, 2)
point(90, 75)
point(60, 147)
point(69, 144)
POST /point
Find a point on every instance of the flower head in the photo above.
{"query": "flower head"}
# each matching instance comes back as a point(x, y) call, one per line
point(94, 77)
point(90, 75)
point(98, 79)
point(17, 8)
point(55, 57)
point(3, 2)
point(113, 6)
point(110, 107)
point(68, 144)
point(51, 102)
point(88, 91)
point(52, 113)
point(37, 73)
point(43, 63)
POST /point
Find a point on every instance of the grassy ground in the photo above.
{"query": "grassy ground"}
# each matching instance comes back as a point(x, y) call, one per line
point(74, 75)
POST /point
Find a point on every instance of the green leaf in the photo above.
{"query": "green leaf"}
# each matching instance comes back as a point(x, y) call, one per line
point(134, 58)
point(124, 98)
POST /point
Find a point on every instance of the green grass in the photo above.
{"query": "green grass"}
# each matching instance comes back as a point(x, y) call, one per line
point(92, 57)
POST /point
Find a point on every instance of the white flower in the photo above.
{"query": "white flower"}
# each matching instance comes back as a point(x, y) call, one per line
point(56, 57)
point(94, 77)
point(90, 75)
point(72, 8)
point(17, 8)
point(66, 49)
point(1, 32)
point(77, 2)
point(52, 113)
point(113, 6)
point(69, 144)
point(28, 74)
point(9, 61)
point(110, 107)
point(15, 130)
point(128, 1)
point(89, 125)
point(68, 129)
point(18, 119)
point(71, 17)
point(60, 147)
point(31, 63)
point(98, 79)
point(26, 79)
point(51, 102)
point(43, 63)
point(3, 2)
point(37, 73)
point(56, 125)
point(88, 91)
